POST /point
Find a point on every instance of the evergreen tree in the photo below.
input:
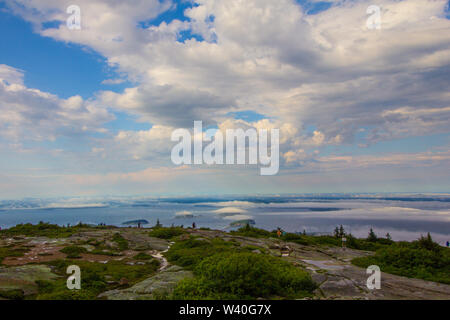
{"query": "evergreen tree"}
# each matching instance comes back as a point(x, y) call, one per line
point(372, 236)
point(158, 224)
point(341, 231)
point(428, 243)
point(388, 236)
point(336, 232)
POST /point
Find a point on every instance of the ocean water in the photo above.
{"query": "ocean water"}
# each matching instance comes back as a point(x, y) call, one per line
point(405, 217)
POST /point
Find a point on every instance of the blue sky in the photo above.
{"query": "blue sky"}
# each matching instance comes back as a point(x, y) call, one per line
point(95, 114)
point(68, 69)
point(51, 66)
point(48, 62)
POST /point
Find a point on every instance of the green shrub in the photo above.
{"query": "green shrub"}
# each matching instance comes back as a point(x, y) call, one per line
point(427, 243)
point(95, 278)
point(244, 275)
point(166, 233)
point(45, 286)
point(199, 289)
point(102, 249)
point(307, 240)
point(73, 252)
point(190, 252)
point(249, 231)
point(122, 243)
point(143, 256)
point(11, 252)
point(370, 244)
point(13, 294)
point(415, 260)
point(44, 229)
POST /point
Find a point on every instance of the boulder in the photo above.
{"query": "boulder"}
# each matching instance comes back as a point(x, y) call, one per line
point(160, 284)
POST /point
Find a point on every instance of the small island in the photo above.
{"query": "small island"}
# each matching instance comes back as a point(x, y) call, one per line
point(135, 222)
point(242, 223)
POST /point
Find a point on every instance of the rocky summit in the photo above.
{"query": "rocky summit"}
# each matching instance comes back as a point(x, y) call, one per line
point(160, 263)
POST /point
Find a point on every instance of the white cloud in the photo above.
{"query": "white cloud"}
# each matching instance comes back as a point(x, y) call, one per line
point(325, 71)
point(28, 114)
point(113, 81)
point(230, 210)
point(184, 213)
point(238, 217)
point(270, 57)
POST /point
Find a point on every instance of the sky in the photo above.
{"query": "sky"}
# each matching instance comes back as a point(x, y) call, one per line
point(91, 112)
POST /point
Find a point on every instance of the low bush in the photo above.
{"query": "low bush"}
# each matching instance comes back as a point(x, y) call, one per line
point(95, 278)
point(166, 233)
point(422, 259)
point(142, 256)
point(245, 275)
point(73, 252)
point(13, 294)
point(44, 229)
point(122, 243)
point(249, 231)
point(11, 252)
point(190, 252)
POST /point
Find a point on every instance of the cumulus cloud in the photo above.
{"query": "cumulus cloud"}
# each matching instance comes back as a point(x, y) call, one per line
point(168, 104)
point(324, 79)
point(34, 115)
point(144, 144)
point(113, 81)
point(328, 70)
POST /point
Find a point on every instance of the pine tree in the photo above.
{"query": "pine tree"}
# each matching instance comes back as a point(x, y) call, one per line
point(336, 232)
point(428, 243)
point(158, 225)
point(372, 236)
point(388, 236)
point(341, 231)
